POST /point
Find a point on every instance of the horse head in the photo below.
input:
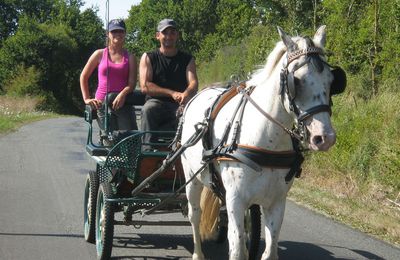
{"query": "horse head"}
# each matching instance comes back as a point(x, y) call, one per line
point(307, 82)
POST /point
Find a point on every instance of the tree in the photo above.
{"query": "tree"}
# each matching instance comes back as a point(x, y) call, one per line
point(53, 52)
point(293, 15)
point(205, 25)
point(8, 21)
point(366, 39)
point(12, 10)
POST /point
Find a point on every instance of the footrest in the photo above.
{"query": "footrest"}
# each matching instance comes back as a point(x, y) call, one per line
point(93, 150)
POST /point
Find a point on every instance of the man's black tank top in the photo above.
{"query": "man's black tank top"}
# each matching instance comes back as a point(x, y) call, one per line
point(169, 72)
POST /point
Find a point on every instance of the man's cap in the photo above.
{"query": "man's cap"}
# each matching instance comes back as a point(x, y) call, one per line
point(165, 23)
point(116, 24)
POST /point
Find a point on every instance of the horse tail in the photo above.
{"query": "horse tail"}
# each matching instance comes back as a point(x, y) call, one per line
point(210, 205)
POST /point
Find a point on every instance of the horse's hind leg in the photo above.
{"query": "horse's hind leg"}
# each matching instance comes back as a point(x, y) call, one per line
point(273, 217)
point(193, 193)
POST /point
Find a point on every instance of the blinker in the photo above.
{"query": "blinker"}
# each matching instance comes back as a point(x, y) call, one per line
point(339, 81)
point(338, 84)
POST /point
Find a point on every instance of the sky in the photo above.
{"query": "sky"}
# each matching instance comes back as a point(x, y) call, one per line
point(118, 8)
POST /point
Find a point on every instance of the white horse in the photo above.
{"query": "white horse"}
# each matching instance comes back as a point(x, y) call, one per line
point(294, 90)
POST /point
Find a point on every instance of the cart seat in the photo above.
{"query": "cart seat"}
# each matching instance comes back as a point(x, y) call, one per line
point(94, 150)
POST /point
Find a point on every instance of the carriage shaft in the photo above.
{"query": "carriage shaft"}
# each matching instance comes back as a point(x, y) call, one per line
point(152, 223)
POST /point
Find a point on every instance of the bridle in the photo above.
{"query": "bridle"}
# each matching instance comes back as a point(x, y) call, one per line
point(288, 87)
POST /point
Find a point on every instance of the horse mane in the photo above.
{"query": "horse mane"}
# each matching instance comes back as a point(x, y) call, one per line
point(273, 59)
point(261, 75)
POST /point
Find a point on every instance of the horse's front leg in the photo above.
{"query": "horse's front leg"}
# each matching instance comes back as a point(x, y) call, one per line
point(193, 193)
point(236, 237)
point(273, 217)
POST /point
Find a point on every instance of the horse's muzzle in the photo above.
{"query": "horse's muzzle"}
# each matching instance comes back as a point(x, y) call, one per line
point(322, 142)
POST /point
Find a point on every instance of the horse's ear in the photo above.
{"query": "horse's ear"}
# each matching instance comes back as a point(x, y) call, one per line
point(290, 45)
point(320, 37)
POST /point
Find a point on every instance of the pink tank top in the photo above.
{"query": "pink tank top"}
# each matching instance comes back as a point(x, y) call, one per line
point(118, 74)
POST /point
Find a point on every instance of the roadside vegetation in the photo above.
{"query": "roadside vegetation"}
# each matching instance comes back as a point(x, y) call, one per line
point(17, 111)
point(358, 181)
point(45, 43)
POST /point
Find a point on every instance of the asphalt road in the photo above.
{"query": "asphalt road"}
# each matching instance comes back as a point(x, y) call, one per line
point(43, 167)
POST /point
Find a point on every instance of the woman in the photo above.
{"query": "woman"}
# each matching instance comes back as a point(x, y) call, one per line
point(117, 73)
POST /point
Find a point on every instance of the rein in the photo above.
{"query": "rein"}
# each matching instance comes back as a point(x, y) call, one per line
point(241, 89)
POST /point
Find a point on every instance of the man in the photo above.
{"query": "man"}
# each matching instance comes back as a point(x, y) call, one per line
point(168, 78)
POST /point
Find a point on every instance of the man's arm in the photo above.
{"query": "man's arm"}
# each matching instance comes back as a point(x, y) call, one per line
point(193, 83)
point(146, 77)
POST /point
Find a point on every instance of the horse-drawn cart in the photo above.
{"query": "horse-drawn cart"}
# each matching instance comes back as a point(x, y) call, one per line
point(252, 141)
point(132, 180)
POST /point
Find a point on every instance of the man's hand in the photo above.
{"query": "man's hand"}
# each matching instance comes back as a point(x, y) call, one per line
point(185, 98)
point(181, 98)
point(177, 96)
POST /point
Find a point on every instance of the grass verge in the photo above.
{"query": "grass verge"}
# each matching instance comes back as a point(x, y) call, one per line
point(374, 215)
point(16, 111)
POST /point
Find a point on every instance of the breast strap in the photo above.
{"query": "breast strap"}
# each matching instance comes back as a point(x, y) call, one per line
point(253, 157)
point(266, 158)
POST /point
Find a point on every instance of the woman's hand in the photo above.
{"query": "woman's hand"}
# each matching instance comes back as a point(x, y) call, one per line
point(94, 103)
point(119, 101)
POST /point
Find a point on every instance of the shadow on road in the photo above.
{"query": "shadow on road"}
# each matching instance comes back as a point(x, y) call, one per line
point(288, 250)
point(163, 243)
point(42, 235)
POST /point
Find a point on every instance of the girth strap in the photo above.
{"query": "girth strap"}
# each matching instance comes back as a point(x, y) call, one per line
point(281, 159)
point(225, 153)
point(255, 157)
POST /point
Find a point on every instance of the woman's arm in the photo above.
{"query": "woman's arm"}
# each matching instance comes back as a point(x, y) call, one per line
point(87, 71)
point(119, 101)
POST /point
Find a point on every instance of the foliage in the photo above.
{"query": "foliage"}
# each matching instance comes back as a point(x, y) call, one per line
point(53, 48)
point(47, 47)
point(16, 111)
point(203, 21)
point(372, 50)
point(25, 82)
point(12, 10)
point(240, 60)
point(366, 148)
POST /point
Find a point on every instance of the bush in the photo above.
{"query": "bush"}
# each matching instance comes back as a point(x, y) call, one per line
point(238, 60)
point(368, 141)
point(25, 81)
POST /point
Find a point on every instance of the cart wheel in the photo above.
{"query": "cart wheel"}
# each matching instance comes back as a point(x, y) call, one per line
point(89, 206)
point(104, 222)
point(252, 225)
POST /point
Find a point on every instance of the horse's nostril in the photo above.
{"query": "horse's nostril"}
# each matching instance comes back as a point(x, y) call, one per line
point(318, 139)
